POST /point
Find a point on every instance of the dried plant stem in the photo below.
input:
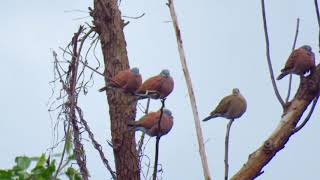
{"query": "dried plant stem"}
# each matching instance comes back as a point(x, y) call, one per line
point(293, 47)
point(140, 143)
point(318, 17)
point(95, 143)
point(155, 168)
point(63, 153)
point(226, 150)
point(268, 55)
point(72, 103)
point(202, 151)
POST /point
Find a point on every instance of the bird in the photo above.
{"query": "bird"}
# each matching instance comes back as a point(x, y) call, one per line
point(129, 80)
point(300, 61)
point(161, 85)
point(150, 123)
point(230, 107)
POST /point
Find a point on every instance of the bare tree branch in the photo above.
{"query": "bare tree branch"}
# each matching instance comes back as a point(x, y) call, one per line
point(293, 47)
point(137, 17)
point(307, 91)
point(93, 69)
point(314, 103)
point(268, 55)
point(318, 17)
point(202, 151)
point(226, 150)
point(155, 167)
point(140, 143)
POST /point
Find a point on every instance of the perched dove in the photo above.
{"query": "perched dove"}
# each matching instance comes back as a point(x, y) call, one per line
point(150, 123)
point(162, 84)
point(129, 80)
point(230, 107)
point(300, 61)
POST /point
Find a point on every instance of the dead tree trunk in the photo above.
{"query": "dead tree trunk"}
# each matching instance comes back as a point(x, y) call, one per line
point(122, 107)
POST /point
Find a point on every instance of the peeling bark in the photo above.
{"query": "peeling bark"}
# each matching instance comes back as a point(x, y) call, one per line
point(308, 90)
point(122, 107)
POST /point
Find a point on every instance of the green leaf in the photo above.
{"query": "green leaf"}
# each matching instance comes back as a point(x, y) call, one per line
point(71, 157)
point(22, 162)
point(40, 172)
point(41, 161)
point(6, 174)
point(68, 142)
point(73, 174)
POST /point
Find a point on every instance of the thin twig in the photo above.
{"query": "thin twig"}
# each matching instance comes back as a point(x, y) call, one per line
point(83, 63)
point(155, 168)
point(93, 69)
point(293, 47)
point(183, 61)
point(147, 108)
point(314, 103)
point(226, 150)
point(95, 143)
point(140, 143)
point(318, 17)
point(68, 95)
point(63, 153)
point(268, 55)
point(296, 34)
point(137, 17)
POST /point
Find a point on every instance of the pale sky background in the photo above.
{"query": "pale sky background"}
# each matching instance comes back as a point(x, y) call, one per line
point(225, 48)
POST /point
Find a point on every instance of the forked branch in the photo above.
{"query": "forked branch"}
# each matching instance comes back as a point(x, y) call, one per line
point(293, 47)
point(308, 90)
point(275, 88)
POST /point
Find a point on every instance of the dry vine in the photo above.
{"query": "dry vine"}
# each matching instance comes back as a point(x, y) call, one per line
point(73, 81)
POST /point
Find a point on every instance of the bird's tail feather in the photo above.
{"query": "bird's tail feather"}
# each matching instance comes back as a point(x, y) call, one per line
point(210, 117)
point(282, 75)
point(136, 127)
point(207, 118)
point(132, 124)
point(103, 89)
point(140, 128)
point(141, 97)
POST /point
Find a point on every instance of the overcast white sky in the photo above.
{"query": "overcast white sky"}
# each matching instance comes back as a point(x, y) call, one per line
point(224, 44)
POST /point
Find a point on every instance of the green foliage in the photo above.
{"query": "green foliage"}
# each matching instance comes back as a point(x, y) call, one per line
point(43, 169)
point(73, 174)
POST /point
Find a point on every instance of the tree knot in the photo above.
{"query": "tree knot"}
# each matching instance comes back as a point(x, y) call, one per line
point(268, 147)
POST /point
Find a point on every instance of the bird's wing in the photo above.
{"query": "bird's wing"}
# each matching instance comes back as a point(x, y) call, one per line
point(166, 86)
point(151, 84)
point(292, 58)
point(120, 80)
point(165, 126)
point(223, 105)
point(148, 120)
point(133, 83)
